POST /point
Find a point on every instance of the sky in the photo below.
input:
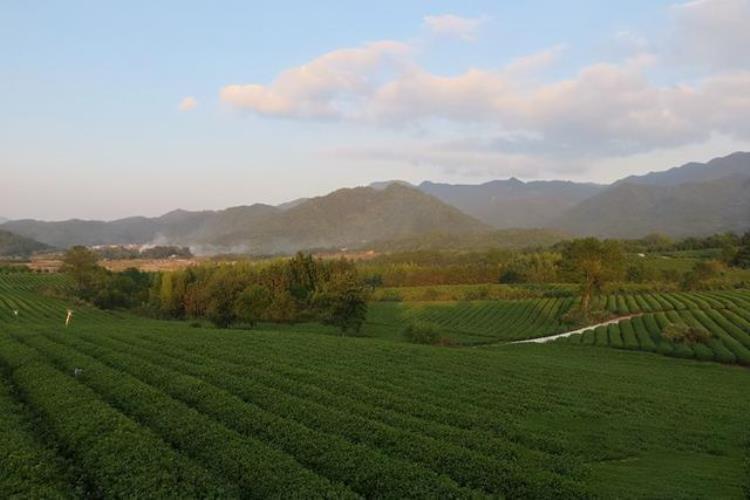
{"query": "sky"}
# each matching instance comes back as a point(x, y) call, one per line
point(113, 109)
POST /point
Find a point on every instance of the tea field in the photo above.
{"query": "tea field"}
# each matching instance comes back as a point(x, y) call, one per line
point(725, 315)
point(117, 405)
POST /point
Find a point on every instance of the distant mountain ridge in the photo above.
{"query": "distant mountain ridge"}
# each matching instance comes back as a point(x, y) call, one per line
point(734, 164)
point(694, 199)
point(630, 210)
point(344, 218)
point(512, 203)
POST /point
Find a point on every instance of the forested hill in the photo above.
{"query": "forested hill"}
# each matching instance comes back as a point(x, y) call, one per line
point(344, 218)
point(694, 200)
point(718, 168)
point(13, 245)
point(512, 203)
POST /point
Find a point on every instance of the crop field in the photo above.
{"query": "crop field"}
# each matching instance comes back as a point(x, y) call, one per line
point(116, 405)
point(726, 315)
point(475, 322)
point(624, 304)
point(447, 293)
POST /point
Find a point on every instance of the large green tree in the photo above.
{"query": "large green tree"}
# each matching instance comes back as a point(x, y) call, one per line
point(342, 302)
point(592, 263)
point(81, 264)
point(252, 303)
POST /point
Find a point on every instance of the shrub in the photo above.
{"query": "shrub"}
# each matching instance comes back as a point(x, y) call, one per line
point(686, 334)
point(578, 317)
point(478, 293)
point(422, 332)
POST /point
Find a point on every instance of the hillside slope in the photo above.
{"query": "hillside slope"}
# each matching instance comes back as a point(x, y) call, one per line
point(352, 217)
point(512, 203)
point(347, 217)
point(692, 209)
point(13, 245)
point(718, 168)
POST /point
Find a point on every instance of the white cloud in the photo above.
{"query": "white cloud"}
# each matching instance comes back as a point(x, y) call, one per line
point(188, 103)
point(322, 88)
point(450, 25)
point(711, 33)
point(603, 110)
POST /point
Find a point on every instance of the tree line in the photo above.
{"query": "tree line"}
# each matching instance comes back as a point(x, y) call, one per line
point(298, 289)
point(335, 292)
point(434, 267)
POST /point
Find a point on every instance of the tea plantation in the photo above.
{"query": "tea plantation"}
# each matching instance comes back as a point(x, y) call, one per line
point(116, 405)
point(724, 315)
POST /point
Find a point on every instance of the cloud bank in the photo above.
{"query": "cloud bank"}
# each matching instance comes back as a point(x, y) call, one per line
point(603, 109)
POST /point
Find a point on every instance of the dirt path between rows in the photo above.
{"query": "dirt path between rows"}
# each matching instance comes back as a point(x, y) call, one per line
point(550, 338)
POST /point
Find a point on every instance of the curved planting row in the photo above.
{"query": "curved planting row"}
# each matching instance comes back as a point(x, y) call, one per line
point(498, 320)
point(117, 455)
point(168, 417)
point(625, 304)
point(729, 327)
point(29, 468)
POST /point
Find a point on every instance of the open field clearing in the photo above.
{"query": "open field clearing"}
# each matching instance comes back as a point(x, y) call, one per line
point(162, 407)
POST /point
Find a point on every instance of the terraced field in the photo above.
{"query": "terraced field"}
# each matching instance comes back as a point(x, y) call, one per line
point(725, 314)
point(117, 405)
point(476, 322)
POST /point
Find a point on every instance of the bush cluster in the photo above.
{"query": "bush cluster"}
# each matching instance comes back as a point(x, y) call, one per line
point(284, 291)
point(685, 334)
point(422, 332)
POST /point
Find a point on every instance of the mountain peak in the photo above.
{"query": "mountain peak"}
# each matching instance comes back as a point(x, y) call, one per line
point(386, 184)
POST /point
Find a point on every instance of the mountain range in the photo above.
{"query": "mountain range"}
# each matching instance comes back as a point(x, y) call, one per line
point(694, 199)
point(348, 217)
point(512, 203)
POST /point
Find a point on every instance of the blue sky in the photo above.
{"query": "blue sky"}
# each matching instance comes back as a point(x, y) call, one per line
point(110, 110)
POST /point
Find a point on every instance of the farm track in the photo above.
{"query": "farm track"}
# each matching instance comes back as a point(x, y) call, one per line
point(550, 338)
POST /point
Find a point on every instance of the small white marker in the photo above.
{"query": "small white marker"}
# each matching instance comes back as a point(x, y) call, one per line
point(15, 312)
point(68, 317)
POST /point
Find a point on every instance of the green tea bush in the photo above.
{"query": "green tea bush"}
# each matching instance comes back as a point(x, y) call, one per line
point(683, 351)
point(601, 337)
point(703, 352)
point(422, 332)
point(615, 337)
point(642, 334)
point(629, 339)
point(721, 353)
